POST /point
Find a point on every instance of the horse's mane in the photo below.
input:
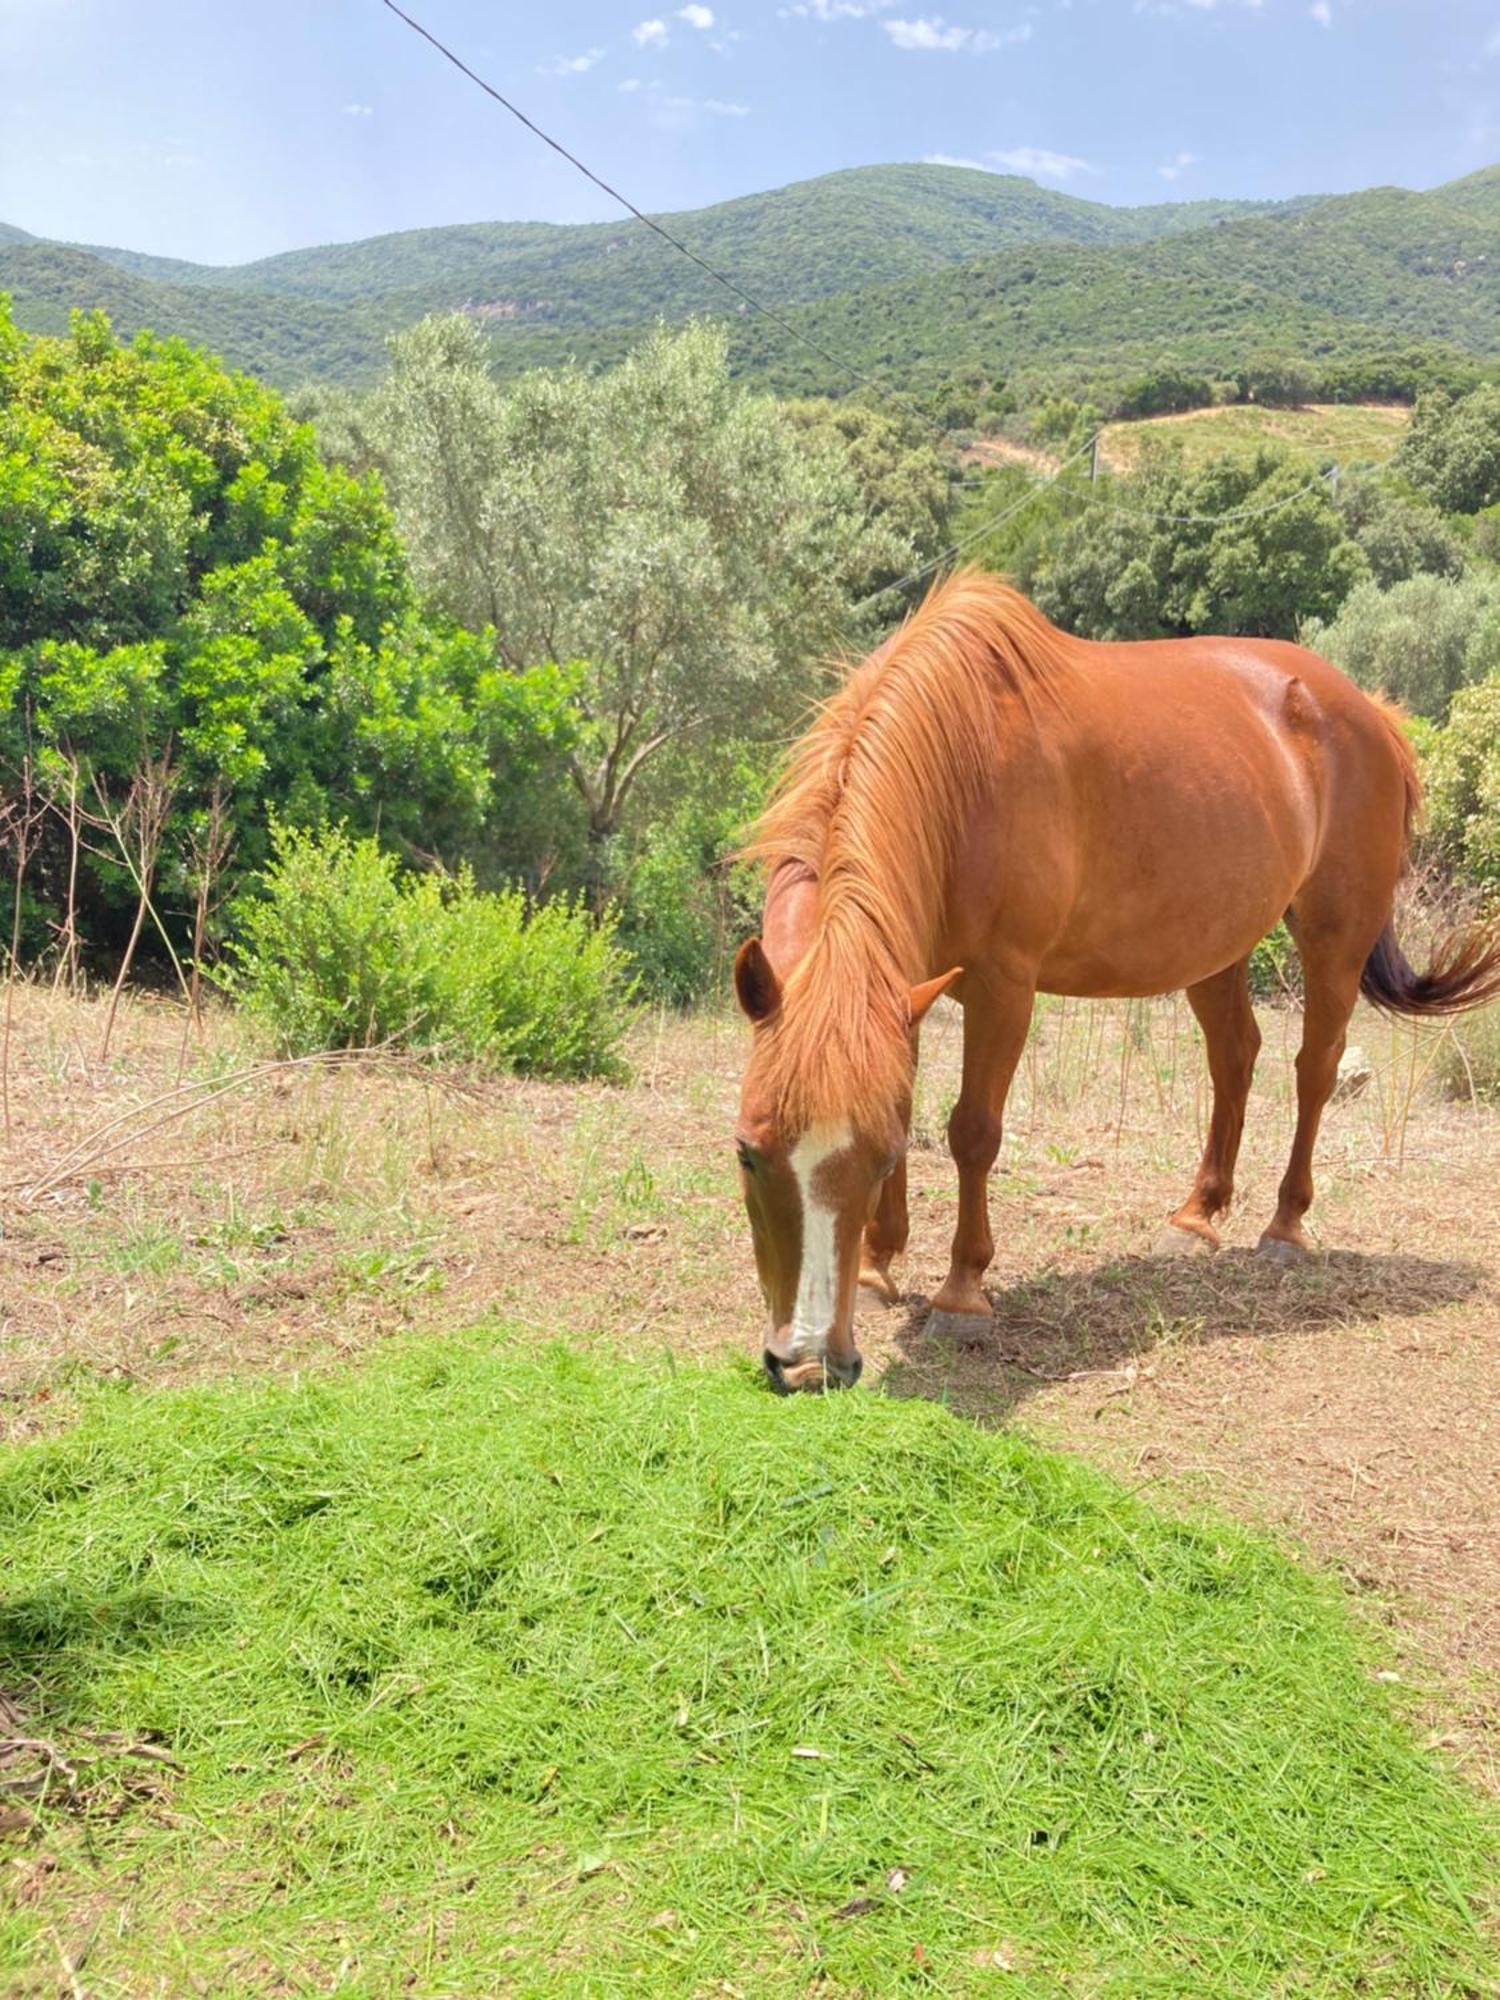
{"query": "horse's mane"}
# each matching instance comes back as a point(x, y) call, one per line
point(872, 801)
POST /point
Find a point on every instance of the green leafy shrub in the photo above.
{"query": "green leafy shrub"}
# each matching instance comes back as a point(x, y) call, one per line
point(684, 906)
point(341, 951)
point(1275, 969)
point(185, 583)
point(1461, 768)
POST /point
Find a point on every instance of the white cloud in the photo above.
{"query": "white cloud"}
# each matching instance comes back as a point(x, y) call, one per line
point(573, 65)
point(714, 106)
point(696, 16)
point(930, 31)
point(681, 114)
point(359, 111)
point(1322, 13)
point(649, 34)
point(1042, 162)
point(629, 83)
point(1193, 6)
point(837, 10)
point(1039, 161)
point(1179, 163)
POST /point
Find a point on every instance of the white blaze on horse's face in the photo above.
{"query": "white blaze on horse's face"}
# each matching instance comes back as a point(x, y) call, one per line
point(818, 1278)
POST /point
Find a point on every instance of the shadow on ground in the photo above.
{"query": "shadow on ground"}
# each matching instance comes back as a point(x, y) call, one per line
point(1054, 1328)
point(54, 1644)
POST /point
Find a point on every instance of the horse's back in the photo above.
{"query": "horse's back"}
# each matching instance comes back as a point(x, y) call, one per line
point(1204, 780)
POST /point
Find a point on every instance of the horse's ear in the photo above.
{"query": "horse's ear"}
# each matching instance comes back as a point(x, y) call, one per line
point(755, 983)
point(923, 996)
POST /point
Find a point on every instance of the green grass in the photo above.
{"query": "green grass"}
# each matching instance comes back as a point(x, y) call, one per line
point(502, 1672)
point(1352, 433)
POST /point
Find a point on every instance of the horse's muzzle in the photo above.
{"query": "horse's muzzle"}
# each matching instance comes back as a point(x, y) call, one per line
point(826, 1371)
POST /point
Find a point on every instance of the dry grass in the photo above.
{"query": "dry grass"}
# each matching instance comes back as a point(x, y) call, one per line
point(311, 1212)
point(1353, 433)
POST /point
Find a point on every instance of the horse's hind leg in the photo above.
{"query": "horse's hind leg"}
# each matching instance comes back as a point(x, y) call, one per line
point(1333, 953)
point(1222, 1005)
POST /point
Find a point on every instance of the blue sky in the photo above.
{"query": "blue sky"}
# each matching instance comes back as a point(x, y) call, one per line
point(219, 131)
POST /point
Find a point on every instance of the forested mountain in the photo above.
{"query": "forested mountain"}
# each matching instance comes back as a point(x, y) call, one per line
point(865, 225)
point(281, 341)
point(913, 270)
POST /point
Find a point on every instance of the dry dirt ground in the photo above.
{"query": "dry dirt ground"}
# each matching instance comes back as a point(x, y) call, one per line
point(171, 1216)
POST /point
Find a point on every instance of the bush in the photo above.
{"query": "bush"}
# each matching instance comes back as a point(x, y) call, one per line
point(684, 905)
point(1419, 642)
point(1275, 969)
point(340, 951)
point(1461, 770)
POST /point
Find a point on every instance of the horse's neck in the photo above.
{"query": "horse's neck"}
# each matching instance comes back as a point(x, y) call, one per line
point(790, 921)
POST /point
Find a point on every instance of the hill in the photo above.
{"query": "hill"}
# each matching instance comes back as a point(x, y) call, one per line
point(864, 225)
point(283, 342)
point(913, 271)
point(1351, 275)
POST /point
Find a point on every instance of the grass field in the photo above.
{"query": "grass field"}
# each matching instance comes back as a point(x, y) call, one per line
point(485, 1667)
point(1352, 433)
point(488, 1670)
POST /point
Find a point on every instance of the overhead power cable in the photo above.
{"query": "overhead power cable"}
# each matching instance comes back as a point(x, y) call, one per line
point(839, 361)
point(978, 534)
point(731, 285)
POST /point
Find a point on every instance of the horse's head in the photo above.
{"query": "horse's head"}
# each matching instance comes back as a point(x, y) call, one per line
point(811, 1183)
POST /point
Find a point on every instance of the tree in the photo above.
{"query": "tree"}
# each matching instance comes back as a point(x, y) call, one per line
point(1278, 379)
point(1451, 452)
point(1233, 545)
point(197, 613)
point(685, 547)
point(1419, 642)
point(1399, 537)
point(907, 484)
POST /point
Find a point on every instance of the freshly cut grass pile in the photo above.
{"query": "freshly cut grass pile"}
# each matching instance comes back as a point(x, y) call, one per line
point(498, 1671)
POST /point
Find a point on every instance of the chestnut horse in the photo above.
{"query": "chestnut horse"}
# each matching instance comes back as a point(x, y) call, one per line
point(994, 809)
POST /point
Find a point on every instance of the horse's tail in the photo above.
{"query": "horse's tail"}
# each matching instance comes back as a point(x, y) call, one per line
point(1465, 968)
point(1465, 972)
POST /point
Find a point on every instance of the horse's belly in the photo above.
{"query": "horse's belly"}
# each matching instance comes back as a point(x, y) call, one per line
point(1128, 972)
point(1167, 909)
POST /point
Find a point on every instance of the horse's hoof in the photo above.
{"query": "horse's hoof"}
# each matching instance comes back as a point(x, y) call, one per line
point(966, 1329)
point(1175, 1241)
point(1278, 1251)
point(881, 1284)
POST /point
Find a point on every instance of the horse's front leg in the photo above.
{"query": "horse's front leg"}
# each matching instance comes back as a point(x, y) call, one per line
point(997, 1019)
point(885, 1235)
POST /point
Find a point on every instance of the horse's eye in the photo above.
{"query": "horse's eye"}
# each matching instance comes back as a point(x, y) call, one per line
point(744, 1155)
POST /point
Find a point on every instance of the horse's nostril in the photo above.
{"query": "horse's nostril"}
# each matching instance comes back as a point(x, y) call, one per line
point(846, 1375)
point(776, 1372)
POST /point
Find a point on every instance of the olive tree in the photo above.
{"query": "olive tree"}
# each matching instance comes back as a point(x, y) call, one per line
point(1418, 642)
point(688, 550)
